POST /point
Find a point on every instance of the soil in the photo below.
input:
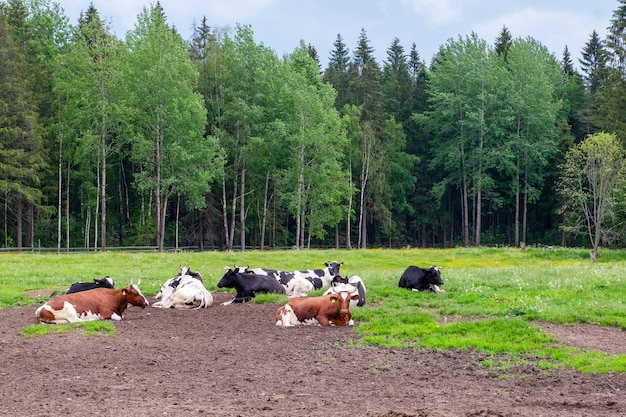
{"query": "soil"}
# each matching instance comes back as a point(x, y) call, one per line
point(233, 361)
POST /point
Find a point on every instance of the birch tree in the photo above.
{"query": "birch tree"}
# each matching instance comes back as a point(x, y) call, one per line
point(175, 156)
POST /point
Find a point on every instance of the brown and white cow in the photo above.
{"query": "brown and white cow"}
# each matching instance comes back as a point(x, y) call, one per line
point(332, 309)
point(96, 304)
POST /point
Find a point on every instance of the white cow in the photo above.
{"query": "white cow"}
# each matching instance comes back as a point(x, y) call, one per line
point(354, 281)
point(184, 291)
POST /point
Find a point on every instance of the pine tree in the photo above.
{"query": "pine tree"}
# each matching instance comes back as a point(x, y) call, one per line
point(336, 74)
point(503, 43)
point(21, 148)
point(593, 62)
point(568, 66)
point(611, 114)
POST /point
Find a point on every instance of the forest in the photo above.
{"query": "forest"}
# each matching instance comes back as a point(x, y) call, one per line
point(215, 142)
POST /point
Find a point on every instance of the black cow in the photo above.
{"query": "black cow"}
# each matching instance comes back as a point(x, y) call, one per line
point(420, 279)
point(105, 282)
point(355, 281)
point(248, 284)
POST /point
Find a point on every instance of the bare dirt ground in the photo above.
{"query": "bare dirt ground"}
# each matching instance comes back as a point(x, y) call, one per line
point(233, 361)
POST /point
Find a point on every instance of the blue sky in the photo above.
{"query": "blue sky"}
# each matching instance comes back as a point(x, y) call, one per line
point(281, 24)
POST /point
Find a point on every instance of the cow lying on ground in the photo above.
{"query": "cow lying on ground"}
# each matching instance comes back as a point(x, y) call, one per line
point(184, 291)
point(420, 279)
point(295, 286)
point(248, 284)
point(300, 283)
point(105, 282)
point(96, 304)
point(354, 281)
point(331, 309)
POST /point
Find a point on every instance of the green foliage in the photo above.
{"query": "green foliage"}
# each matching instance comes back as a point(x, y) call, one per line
point(591, 187)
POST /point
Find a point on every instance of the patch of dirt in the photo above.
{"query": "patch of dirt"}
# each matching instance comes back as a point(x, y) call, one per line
point(587, 336)
point(39, 293)
point(233, 361)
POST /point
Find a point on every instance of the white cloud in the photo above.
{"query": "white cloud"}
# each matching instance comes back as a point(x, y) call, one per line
point(237, 10)
point(436, 11)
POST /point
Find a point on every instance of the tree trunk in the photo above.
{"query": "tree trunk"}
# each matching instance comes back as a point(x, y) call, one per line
point(19, 223)
point(103, 196)
point(242, 207)
point(517, 202)
point(265, 202)
point(465, 211)
point(177, 222)
point(225, 214)
point(60, 192)
point(158, 141)
point(348, 223)
point(525, 208)
point(67, 209)
point(30, 226)
point(231, 236)
point(299, 199)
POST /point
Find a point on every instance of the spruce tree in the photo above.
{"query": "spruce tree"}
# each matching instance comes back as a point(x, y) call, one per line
point(21, 150)
point(336, 74)
point(593, 62)
point(503, 43)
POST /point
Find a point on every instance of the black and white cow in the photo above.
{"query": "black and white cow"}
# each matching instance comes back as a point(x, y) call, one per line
point(248, 284)
point(420, 279)
point(355, 281)
point(300, 283)
point(105, 282)
point(320, 278)
point(184, 291)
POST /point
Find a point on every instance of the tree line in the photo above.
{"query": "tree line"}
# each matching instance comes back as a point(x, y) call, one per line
point(215, 142)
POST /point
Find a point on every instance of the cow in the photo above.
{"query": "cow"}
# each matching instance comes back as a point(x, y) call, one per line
point(96, 304)
point(248, 284)
point(105, 282)
point(295, 285)
point(420, 279)
point(325, 310)
point(184, 291)
point(300, 283)
point(320, 278)
point(354, 281)
point(168, 288)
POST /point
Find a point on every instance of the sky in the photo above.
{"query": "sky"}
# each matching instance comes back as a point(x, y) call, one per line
point(281, 24)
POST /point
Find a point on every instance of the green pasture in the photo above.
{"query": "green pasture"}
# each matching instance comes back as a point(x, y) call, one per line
point(492, 296)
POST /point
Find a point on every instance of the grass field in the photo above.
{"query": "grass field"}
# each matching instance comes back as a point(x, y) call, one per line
point(503, 288)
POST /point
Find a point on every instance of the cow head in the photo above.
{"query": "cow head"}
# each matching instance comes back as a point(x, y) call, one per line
point(333, 267)
point(338, 279)
point(434, 276)
point(229, 278)
point(105, 282)
point(342, 294)
point(133, 296)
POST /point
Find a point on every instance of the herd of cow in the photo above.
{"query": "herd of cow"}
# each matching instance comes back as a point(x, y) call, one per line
point(99, 300)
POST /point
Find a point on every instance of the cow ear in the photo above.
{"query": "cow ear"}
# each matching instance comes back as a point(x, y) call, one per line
point(124, 292)
point(355, 297)
point(333, 298)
